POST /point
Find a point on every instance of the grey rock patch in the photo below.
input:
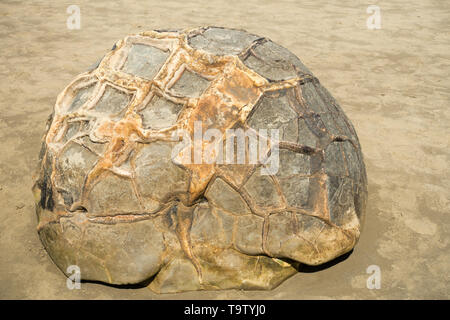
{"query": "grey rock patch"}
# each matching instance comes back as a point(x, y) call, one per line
point(305, 136)
point(160, 113)
point(249, 234)
point(275, 113)
point(262, 189)
point(292, 163)
point(72, 130)
point(352, 158)
point(113, 195)
point(205, 227)
point(113, 101)
point(222, 41)
point(341, 204)
point(225, 197)
point(144, 61)
point(190, 85)
point(156, 175)
point(312, 98)
point(81, 98)
point(275, 62)
point(296, 191)
point(74, 164)
point(334, 160)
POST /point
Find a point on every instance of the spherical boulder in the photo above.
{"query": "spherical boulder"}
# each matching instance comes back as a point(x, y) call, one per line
point(208, 158)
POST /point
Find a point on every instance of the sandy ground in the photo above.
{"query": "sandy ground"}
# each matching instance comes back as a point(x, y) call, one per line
point(392, 83)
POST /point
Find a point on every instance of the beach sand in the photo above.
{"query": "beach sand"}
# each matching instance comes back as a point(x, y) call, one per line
point(393, 83)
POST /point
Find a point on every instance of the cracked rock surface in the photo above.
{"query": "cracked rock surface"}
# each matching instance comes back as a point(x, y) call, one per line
point(111, 199)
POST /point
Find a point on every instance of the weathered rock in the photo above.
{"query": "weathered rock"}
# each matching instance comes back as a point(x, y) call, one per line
point(117, 195)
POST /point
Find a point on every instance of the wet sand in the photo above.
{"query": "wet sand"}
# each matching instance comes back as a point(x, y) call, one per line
point(392, 83)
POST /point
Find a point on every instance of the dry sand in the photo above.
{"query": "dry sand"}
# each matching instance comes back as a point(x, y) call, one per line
point(393, 84)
